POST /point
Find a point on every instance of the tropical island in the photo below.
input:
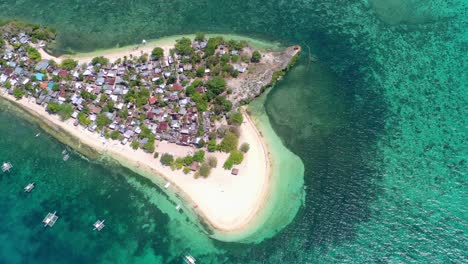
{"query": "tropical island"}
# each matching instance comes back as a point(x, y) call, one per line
point(173, 109)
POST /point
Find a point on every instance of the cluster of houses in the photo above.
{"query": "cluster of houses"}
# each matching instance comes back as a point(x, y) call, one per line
point(169, 113)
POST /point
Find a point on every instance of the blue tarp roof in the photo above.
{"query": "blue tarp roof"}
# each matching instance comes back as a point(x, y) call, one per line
point(39, 76)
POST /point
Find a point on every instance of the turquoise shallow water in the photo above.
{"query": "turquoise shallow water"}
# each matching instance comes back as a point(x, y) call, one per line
point(379, 122)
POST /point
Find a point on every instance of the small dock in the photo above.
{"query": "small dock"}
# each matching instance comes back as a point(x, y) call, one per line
point(99, 225)
point(29, 187)
point(6, 166)
point(50, 219)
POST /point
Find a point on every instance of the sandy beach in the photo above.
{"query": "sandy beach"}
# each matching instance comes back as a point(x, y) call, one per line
point(165, 43)
point(226, 202)
point(114, 54)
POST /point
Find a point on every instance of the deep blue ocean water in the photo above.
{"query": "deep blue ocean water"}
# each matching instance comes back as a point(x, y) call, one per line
point(379, 122)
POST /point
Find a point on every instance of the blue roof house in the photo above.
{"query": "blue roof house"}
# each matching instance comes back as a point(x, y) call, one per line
point(39, 76)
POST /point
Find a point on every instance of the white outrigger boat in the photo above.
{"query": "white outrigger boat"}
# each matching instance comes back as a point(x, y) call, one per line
point(29, 187)
point(189, 259)
point(6, 166)
point(178, 207)
point(99, 225)
point(65, 154)
point(50, 219)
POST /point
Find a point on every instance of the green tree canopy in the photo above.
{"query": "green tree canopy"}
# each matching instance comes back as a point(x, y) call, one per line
point(100, 60)
point(149, 146)
point(188, 160)
point(18, 93)
point(235, 157)
point(236, 45)
point(157, 53)
point(102, 120)
point(245, 147)
point(256, 56)
point(66, 111)
point(212, 44)
point(212, 161)
point(200, 71)
point(229, 142)
point(63, 110)
point(236, 118)
point(199, 156)
point(183, 46)
point(33, 54)
point(199, 36)
point(167, 159)
point(135, 144)
point(216, 85)
point(212, 145)
point(69, 64)
point(83, 120)
point(115, 134)
point(221, 104)
point(205, 170)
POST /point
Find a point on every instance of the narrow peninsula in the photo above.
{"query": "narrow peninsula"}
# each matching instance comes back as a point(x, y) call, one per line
point(173, 108)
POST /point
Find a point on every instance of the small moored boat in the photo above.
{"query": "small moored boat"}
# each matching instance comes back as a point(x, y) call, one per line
point(50, 219)
point(6, 166)
point(99, 225)
point(189, 259)
point(29, 187)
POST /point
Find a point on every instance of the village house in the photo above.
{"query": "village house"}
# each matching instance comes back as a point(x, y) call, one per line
point(112, 92)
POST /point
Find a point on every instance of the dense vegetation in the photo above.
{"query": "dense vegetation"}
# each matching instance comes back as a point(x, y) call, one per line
point(235, 157)
point(63, 110)
point(157, 53)
point(100, 60)
point(33, 54)
point(256, 56)
point(69, 64)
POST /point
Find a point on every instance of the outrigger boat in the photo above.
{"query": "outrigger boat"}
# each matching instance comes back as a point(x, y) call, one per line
point(50, 219)
point(189, 259)
point(6, 166)
point(29, 187)
point(99, 225)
